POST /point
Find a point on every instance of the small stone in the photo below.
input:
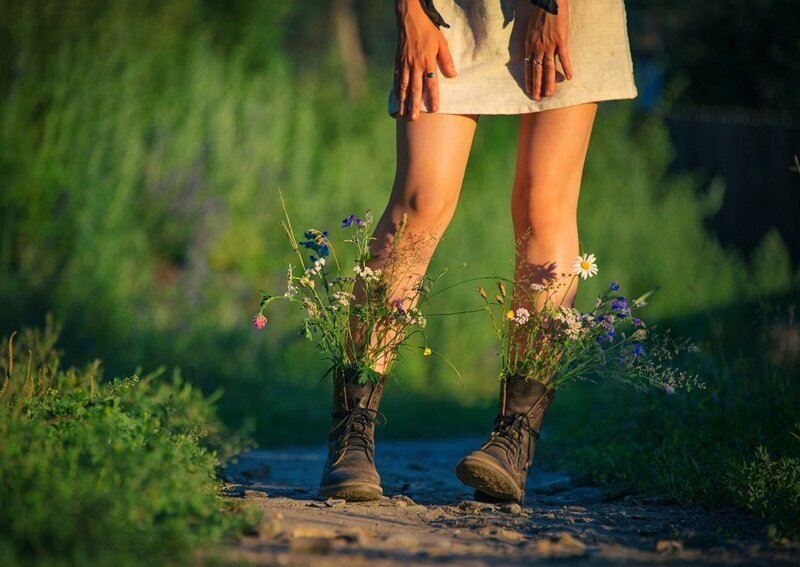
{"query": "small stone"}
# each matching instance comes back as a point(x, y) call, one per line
point(471, 507)
point(320, 546)
point(335, 503)
point(401, 540)
point(564, 545)
point(269, 528)
point(431, 514)
point(514, 509)
point(668, 546)
point(402, 501)
point(357, 535)
point(312, 532)
point(501, 534)
point(255, 494)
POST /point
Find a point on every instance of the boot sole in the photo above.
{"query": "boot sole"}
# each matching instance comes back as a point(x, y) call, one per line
point(482, 473)
point(352, 491)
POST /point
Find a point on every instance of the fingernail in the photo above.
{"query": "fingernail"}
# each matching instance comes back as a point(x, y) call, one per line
point(414, 116)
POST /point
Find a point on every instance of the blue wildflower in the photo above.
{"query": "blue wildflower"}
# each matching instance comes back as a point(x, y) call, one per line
point(359, 222)
point(606, 337)
point(638, 349)
point(619, 303)
point(637, 322)
point(324, 251)
point(348, 221)
point(620, 306)
point(613, 286)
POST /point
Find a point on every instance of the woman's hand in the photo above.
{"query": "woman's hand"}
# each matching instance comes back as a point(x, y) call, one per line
point(420, 45)
point(546, 37)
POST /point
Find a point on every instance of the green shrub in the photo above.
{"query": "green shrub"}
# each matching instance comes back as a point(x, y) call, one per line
point(771, 488)
point(104, 474)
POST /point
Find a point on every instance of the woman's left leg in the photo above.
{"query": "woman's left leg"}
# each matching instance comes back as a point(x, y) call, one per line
point(551, 153)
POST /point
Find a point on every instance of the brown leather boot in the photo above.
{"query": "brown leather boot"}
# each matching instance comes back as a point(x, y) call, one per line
point(349, 471)
point(499, 469)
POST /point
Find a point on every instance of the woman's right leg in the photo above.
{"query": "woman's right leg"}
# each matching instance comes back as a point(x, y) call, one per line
point(432, 154)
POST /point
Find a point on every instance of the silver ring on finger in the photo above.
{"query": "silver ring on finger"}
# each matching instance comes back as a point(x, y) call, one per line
point(548, 59)
point(530, 59)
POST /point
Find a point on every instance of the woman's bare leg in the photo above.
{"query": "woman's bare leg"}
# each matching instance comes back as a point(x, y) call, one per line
point(432, 154)
point(551, 153)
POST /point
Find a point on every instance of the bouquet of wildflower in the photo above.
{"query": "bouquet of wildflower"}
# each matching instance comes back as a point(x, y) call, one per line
point(329, 301)
point(557, 343)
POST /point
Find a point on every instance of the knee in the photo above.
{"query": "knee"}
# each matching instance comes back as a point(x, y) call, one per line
point(425, 209)
point(545, 214)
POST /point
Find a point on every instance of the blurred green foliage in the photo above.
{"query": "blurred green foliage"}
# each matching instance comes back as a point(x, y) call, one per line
point(114, 473)
point(142, 146)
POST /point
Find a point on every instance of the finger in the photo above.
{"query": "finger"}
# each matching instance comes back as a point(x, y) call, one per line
point(549, 75)
point(432, 84)
point(416, 92)
point(446, 59)
point(537, 77)
point(563, 56)
point(528, 82)
point(403, 89)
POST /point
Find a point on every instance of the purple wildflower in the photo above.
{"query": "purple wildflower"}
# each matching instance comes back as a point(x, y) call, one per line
point(348, 221)
point(613, 286)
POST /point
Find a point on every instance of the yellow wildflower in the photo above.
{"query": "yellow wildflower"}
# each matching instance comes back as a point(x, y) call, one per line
point(509, 314)
point(426, 352)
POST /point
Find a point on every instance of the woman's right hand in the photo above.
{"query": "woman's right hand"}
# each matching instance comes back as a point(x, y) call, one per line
point(420, 45)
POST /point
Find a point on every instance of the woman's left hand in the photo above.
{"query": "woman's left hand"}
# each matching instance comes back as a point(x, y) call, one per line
point(546, 38)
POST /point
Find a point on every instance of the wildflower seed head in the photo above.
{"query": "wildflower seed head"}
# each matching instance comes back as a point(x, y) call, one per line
point(502, 288)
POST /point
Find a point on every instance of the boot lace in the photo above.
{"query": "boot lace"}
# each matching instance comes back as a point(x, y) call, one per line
point(507, 434)
point(356, 431)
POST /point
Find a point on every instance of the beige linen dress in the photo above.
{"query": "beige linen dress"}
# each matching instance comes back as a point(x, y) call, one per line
point(487, 41)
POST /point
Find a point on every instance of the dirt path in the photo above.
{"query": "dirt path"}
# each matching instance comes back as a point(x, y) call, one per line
point(429, 517)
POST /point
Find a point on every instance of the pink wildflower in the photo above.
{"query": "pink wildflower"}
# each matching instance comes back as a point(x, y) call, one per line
point(260, 321)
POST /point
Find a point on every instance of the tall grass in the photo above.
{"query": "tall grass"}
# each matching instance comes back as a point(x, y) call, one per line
point(104, 473)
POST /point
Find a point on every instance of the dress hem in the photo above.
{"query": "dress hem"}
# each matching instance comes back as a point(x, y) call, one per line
point(527, 108)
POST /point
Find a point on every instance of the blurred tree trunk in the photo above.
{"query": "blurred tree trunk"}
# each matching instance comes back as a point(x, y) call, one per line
point(346, 27)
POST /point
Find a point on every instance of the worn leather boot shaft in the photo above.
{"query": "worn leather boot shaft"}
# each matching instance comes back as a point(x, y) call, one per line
point(499, 469)
point(349, 470)
point(523, 405)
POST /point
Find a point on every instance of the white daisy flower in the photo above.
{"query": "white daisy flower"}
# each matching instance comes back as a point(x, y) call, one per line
point(537, 287)
point(584, 266)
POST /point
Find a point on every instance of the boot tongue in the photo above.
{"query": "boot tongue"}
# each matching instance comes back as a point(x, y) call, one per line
point(522, 394)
